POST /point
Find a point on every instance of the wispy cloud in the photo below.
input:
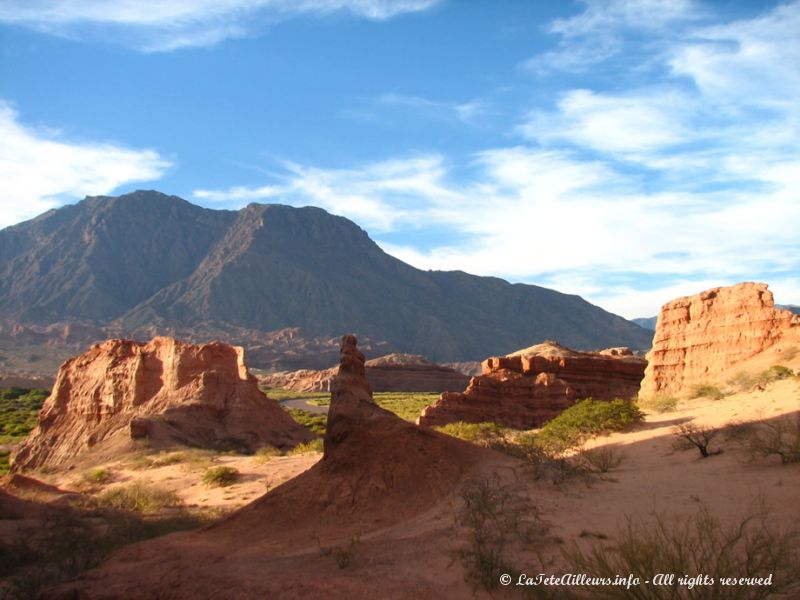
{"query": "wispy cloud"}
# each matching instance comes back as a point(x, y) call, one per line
point(164, 25)
point(41, 170)
point(462, 111)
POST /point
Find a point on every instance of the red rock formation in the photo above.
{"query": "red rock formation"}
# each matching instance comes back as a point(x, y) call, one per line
point(377, 471)
point(165, 390)
point(531, 386)
point(698, 337)
point(390, 373)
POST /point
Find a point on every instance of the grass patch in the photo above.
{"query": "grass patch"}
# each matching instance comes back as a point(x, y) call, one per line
point(266, 454)
point(406, 405)
point(19, 408)
point(316, 422)
point(660, 403)
point(706, 390)
point(220, 476)
point(138, 497)
point(280, 394)
point(4, 458)
point(316, 445)
point(586, 419)
point(481, 433)
point(750, 547)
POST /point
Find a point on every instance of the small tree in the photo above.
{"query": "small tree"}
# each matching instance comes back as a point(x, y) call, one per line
point(691, 435)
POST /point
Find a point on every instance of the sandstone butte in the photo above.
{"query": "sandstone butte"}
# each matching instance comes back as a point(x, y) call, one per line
point(531, 386)
point(166, 391)
point(377, 470)
point(390, 373)
point(700, 337)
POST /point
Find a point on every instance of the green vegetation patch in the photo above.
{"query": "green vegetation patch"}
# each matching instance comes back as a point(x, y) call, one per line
point(316, 422)
point(706, 390)
point(316, 445)
point(4, 456)
point(474, 432)
point(406, 405)
point(585, 419)
point(138, 497)
point(18, 410)
point(220, 476)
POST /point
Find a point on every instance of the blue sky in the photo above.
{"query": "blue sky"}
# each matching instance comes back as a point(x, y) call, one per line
point(630, 151)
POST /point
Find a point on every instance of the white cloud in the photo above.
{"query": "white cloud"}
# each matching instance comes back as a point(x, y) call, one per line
point(40, 170)
point(163, 25)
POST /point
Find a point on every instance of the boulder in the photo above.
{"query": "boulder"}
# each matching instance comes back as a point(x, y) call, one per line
point(531, 386)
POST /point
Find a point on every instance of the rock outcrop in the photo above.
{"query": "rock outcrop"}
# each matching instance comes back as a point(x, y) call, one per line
point(165, 390)
point(699, 337)
point(390, 373)
point(377, 471)
point(531, 386)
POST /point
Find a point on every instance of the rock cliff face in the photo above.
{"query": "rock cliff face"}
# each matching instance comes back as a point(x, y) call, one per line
point(164, 390)
point(390, 373)
point(699, 337)
point(531, 386)
point(376, 472)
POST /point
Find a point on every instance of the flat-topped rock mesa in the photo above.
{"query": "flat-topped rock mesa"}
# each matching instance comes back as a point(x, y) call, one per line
point(164, 390)
point(377, 471)
point(700, 337)
point(531, 386)
point(390, 373)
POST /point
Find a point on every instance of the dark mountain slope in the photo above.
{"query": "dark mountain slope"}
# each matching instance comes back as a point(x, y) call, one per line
point(97, 259)
point(268, 267)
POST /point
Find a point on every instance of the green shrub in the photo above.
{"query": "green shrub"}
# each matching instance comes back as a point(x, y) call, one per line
point(706, 390)
point(473, 432)
point(316, 445)
point(138, 497)
point(774, 373)
point(220, 476)
point(751, 547)
point(4, 459)
point(585, 419)
point(660, 403)
point(97, 476)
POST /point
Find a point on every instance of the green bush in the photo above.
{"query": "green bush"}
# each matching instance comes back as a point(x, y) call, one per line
point(660, 403)
point(220, 476)
point(706, 390)
point(473, 432)
point(4, 458)
point(97, 476)
point(316, 445)
point(138, 497)
point(585, 419)
point(774, 373)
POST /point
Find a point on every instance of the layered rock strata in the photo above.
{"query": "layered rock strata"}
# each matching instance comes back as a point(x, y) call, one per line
point(700, 337)
point(531, 386)
point(166, 391)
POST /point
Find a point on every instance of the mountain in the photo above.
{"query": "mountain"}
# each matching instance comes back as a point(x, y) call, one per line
point(146, 263)
point(790, 307)
point(646, 322)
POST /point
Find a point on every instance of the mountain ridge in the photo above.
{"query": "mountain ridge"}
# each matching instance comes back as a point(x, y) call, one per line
point(145, 263)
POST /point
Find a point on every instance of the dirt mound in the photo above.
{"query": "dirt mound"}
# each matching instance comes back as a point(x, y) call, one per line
point(377, 471)
point(165, 391)
point(702, 336)
point(531, 386)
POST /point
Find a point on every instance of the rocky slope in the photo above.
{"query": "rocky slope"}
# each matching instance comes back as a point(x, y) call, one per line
point(165, 391)
point(147, 264)
point(699, 337)
point(531, 386)
point(377, 471)
point(393, 372)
